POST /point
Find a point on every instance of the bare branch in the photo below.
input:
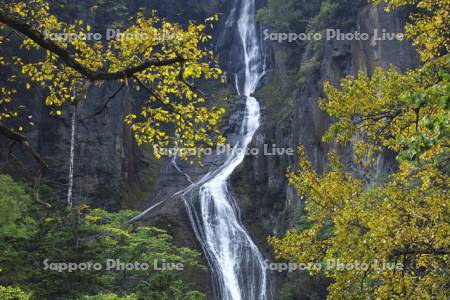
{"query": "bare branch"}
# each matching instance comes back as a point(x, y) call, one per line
point(23, 140)
point(108, 100)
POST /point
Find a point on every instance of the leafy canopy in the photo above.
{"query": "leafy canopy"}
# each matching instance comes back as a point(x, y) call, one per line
point(404, 221)
point(64, 62)
point(14, 210)
point(13, 293)
point(406, 113)
point(32, 235)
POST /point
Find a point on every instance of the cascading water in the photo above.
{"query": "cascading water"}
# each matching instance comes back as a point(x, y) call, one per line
point(236, 261)
point(237, 264)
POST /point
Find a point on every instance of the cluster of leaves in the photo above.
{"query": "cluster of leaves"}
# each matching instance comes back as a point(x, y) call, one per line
point(404, 220)
point(14, 204)
point(406, 113)
point(6, 92)
point(83, 235)
point(13, 293)
point(175, 113)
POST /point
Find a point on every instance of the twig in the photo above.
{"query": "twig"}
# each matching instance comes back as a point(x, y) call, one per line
point(105, 105)
point(157, 97)
point(23, 140)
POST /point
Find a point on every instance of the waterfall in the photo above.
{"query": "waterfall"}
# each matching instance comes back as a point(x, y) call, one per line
point(237, 263)
point(72, 156)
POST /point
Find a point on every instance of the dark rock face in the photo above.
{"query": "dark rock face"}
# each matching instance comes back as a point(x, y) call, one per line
point(104, 152)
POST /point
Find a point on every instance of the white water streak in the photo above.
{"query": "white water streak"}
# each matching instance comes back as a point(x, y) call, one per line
point(72, 157)
point(233, 256)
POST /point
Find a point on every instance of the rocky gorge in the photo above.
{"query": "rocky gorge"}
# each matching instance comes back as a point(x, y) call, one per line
point(111, 171)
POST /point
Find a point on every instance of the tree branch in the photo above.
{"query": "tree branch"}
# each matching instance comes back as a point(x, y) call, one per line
point(185, 82)
point(65, 56)
point(168, 106)
point(23, 140)
point(105, 105)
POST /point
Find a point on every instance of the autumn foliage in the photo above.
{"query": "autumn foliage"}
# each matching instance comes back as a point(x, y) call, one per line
point(402, 218)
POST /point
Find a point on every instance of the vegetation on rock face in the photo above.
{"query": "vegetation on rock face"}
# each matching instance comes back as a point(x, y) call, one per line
point(288, 15)
point(391, 238)
point(302, 17)
point(37, 240)
point(305, 16)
